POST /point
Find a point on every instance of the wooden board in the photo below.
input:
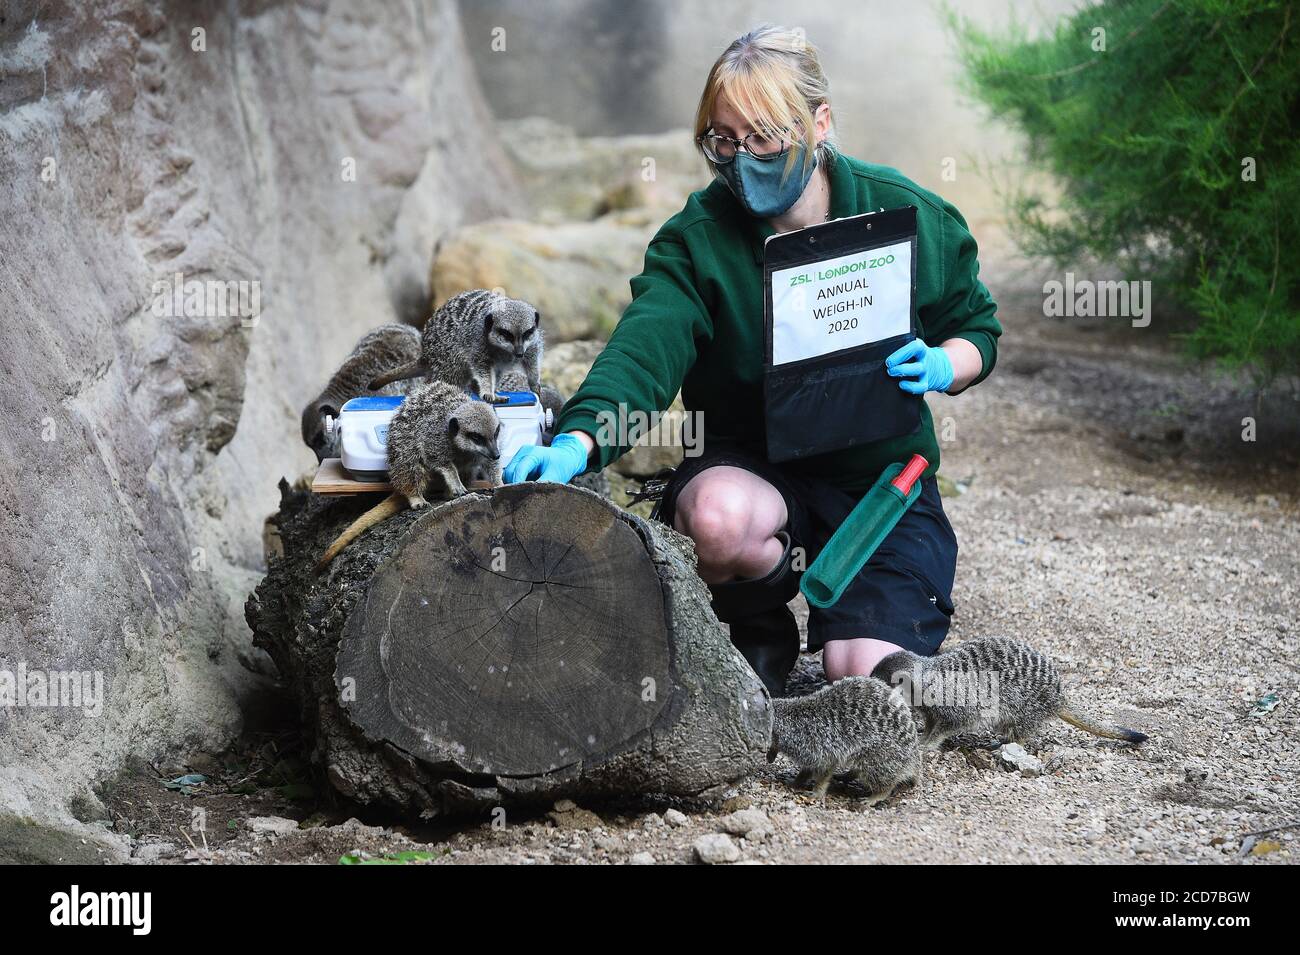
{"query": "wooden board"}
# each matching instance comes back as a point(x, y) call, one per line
point(332, 479)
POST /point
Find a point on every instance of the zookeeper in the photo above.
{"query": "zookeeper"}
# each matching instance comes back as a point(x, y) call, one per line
point(696, 323)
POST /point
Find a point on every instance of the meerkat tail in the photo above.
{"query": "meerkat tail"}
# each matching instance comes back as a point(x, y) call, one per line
point(393, 504)
point(1098, 727)
point(413, 370)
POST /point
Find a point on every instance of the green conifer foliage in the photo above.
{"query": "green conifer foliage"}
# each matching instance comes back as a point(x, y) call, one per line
point(1173, 134)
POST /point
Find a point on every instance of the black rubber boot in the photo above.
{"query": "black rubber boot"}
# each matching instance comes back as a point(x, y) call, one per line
point(763, 628)
point(769, 641)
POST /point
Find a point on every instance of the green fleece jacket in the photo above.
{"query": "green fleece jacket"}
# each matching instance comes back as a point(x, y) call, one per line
point(696, 323)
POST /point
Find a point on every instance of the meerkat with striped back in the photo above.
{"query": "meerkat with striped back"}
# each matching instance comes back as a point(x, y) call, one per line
point(856, 724)
point(380, 350)
point(993, 685)
point(474, 339)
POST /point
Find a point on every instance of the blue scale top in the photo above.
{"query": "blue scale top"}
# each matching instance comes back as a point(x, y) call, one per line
point(374, 403)
point(513, 399)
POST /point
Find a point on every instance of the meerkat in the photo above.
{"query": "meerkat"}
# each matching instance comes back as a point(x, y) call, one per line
point(440, 433)
point(551, 398)
point(994, 685)
point(379, 350)
point(857, 724)
point(474, 339)
point(512, 380)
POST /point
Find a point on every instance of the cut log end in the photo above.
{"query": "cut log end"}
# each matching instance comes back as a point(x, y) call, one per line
point(533, 648)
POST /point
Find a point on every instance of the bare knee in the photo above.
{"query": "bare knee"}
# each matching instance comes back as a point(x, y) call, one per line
point(717, 519)
point(856, 657)
point(733, 537)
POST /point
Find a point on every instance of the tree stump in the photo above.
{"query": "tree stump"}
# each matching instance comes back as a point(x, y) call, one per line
point(512, 647)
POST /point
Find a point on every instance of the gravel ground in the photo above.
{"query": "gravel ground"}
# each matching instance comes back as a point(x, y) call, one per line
point(1108, 513)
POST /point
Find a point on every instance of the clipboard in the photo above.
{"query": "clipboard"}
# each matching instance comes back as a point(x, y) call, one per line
point(838, 298)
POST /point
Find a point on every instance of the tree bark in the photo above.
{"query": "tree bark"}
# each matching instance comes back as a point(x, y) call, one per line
point(513, 647)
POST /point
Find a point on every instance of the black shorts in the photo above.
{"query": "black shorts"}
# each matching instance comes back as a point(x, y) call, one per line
point(903, 594)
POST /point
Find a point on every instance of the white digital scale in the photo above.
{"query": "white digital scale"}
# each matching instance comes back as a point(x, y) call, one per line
point(359, 435)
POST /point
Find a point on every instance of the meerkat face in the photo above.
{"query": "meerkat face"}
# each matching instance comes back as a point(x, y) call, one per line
point(473, 431)
point(482, 472)
point(512, 327)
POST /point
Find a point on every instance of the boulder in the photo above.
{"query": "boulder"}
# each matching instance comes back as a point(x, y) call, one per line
point(566, 364)
point(575, 273)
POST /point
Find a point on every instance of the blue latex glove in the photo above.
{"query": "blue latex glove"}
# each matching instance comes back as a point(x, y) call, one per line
point(564, 460)
point(930, 367)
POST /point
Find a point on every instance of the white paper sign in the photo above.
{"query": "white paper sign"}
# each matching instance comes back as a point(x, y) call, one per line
point(851, 300)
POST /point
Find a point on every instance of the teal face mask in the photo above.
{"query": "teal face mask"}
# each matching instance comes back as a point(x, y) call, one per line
point(759, 185)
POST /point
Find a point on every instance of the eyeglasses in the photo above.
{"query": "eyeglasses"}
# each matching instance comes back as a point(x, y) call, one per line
point(722, 149)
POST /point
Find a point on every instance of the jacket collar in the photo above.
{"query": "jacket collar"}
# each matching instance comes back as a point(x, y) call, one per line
point(844, 202)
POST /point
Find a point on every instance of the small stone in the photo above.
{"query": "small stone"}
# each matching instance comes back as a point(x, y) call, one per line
point(716, 848)
point(272, 825)
point(675, 818)
point(979, 759)
point(573, 817)
point(750, 823)
point(152, 852)
point(1014, 757)
point(641, 858)
point(607, 841)
point(355, 825)
point(736, 803)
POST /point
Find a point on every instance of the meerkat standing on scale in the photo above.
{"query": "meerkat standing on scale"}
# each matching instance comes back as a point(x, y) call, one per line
point(473, 340)
point(439, 433)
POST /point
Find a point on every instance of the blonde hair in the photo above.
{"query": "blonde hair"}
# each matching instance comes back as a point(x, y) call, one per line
point(774, 78)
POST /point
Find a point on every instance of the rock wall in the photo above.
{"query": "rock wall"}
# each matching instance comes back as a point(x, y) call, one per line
point(314, 151)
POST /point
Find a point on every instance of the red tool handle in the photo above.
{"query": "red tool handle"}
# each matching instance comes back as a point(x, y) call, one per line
point(907, 477)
